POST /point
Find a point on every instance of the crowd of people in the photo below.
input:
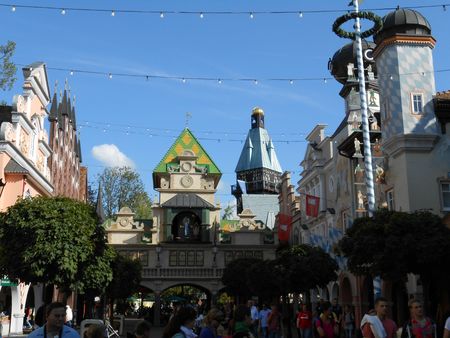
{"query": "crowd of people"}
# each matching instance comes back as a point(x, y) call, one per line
point(328, 320)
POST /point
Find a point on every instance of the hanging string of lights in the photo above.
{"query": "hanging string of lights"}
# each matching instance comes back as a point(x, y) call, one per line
point(146, 129)
point(133, 131)
point(201, 14)
point(219, 80)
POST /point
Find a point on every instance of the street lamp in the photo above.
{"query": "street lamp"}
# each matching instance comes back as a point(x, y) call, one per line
point(2, 186)
point(158, 251)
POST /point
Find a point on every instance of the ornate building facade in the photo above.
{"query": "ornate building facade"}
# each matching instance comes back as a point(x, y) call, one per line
point(69, 178)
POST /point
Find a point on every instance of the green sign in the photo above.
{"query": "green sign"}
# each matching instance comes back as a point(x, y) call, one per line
point(7, 282)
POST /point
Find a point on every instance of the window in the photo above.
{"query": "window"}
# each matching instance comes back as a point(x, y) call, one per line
point(390, 199)
point(445, 193)
point(417, 103)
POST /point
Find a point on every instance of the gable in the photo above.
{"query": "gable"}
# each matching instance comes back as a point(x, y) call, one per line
point(36, 76)
point(186, 141)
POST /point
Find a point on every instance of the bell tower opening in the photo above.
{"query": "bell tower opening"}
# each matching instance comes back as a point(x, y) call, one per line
point(186, 227)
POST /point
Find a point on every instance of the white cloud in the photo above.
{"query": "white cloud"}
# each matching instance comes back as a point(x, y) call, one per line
point(111, 156)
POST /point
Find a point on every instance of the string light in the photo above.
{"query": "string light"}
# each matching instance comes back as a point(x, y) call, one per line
point(184, 79)
point(161, 15)
point(201, 15)
point(251, 15)
point(63, 11)
point(13, 8)
point(300, 15)
point(444, 8)
point(299, 12)
point(113, 13)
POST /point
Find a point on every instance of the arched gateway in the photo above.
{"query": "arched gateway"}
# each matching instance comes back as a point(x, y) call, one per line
point(186, 243)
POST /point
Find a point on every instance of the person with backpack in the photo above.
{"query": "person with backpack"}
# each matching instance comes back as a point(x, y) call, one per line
point(274, 323)
point(304, 322)
point(325, 324)
point(418, 326)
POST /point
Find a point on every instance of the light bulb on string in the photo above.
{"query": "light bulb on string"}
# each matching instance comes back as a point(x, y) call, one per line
point(110, 75)
point(324, 80)
point(251, 15)
point(13, 8)
point(63, 11)
point(201, 15)
point(391, 77)
point(300, 15)
point(113, 13)
point(71, 72)
point(219, 81)
point(183, 80)
point(291, 82)
point(444, 8)
point(255, 82)
point(161, 15)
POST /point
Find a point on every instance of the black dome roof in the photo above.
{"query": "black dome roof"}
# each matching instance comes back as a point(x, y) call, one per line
point(347, 54)
point(403, 21)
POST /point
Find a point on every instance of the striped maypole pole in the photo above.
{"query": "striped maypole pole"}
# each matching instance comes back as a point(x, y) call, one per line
point(370, 189)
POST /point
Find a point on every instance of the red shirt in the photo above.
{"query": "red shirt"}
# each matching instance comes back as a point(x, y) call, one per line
point(304, 320)
point(389, 326)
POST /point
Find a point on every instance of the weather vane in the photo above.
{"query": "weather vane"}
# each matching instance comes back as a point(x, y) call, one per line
point(188, 116)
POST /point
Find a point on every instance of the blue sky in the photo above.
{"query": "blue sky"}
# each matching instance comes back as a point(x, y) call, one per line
point(119, 111)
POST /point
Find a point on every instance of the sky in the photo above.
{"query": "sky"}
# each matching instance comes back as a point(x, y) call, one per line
point(133, 121)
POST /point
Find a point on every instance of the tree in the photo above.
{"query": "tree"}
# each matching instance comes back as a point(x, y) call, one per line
point(54, 240)
point(126, 279)
point(263, 281)
point(235, 276)
point(123, 187)
point(392, 244)
point(7, 68)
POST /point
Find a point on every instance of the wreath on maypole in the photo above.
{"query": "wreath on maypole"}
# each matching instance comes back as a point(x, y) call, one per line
point(378, 24)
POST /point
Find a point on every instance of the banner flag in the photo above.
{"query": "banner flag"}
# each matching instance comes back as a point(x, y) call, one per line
point(284, 227)
point(312, 205)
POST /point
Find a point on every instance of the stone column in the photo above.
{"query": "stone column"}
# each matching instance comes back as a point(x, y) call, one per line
point(157, 309)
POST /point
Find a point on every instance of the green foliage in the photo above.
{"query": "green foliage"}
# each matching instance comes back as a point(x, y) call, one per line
point(378, 25)
point(126, 278)
point(303, 267)
point(392, 244)
point(235, 276)
point(54, 240)
point(123, 187)
point(296, 269)
point(7, 67)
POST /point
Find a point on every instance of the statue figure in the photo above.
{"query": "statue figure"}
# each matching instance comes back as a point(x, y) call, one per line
point(357, 148)
point(350, 70)
point(379, 171)
point(186, 226)
point(370, 73)
point(377, 149)
point(372, 99)
point(359, 174)
point(355, 122)
point(374, 124)
point(360, 200)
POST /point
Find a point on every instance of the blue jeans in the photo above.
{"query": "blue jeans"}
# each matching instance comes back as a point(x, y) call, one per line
point(349, 333)
point(306, 333)
point(264, 332)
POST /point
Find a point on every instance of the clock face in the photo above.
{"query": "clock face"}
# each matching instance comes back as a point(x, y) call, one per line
point(186, 166)
point(187, 181)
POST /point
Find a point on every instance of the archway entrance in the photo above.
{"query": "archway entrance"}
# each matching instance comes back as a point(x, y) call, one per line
point(184, 295)
point(346, 292)
point(186, 226)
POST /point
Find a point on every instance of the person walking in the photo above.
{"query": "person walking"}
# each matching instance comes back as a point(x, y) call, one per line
point(379, 325)
point(447, 328)
point(304, 322)
point(242, 322)
point(325, 324)
point(349, 321)
point(274, 323)
point(54, 325)
point(181, 325)
point(263, 318)
point(212, 322)
point(418, 325)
